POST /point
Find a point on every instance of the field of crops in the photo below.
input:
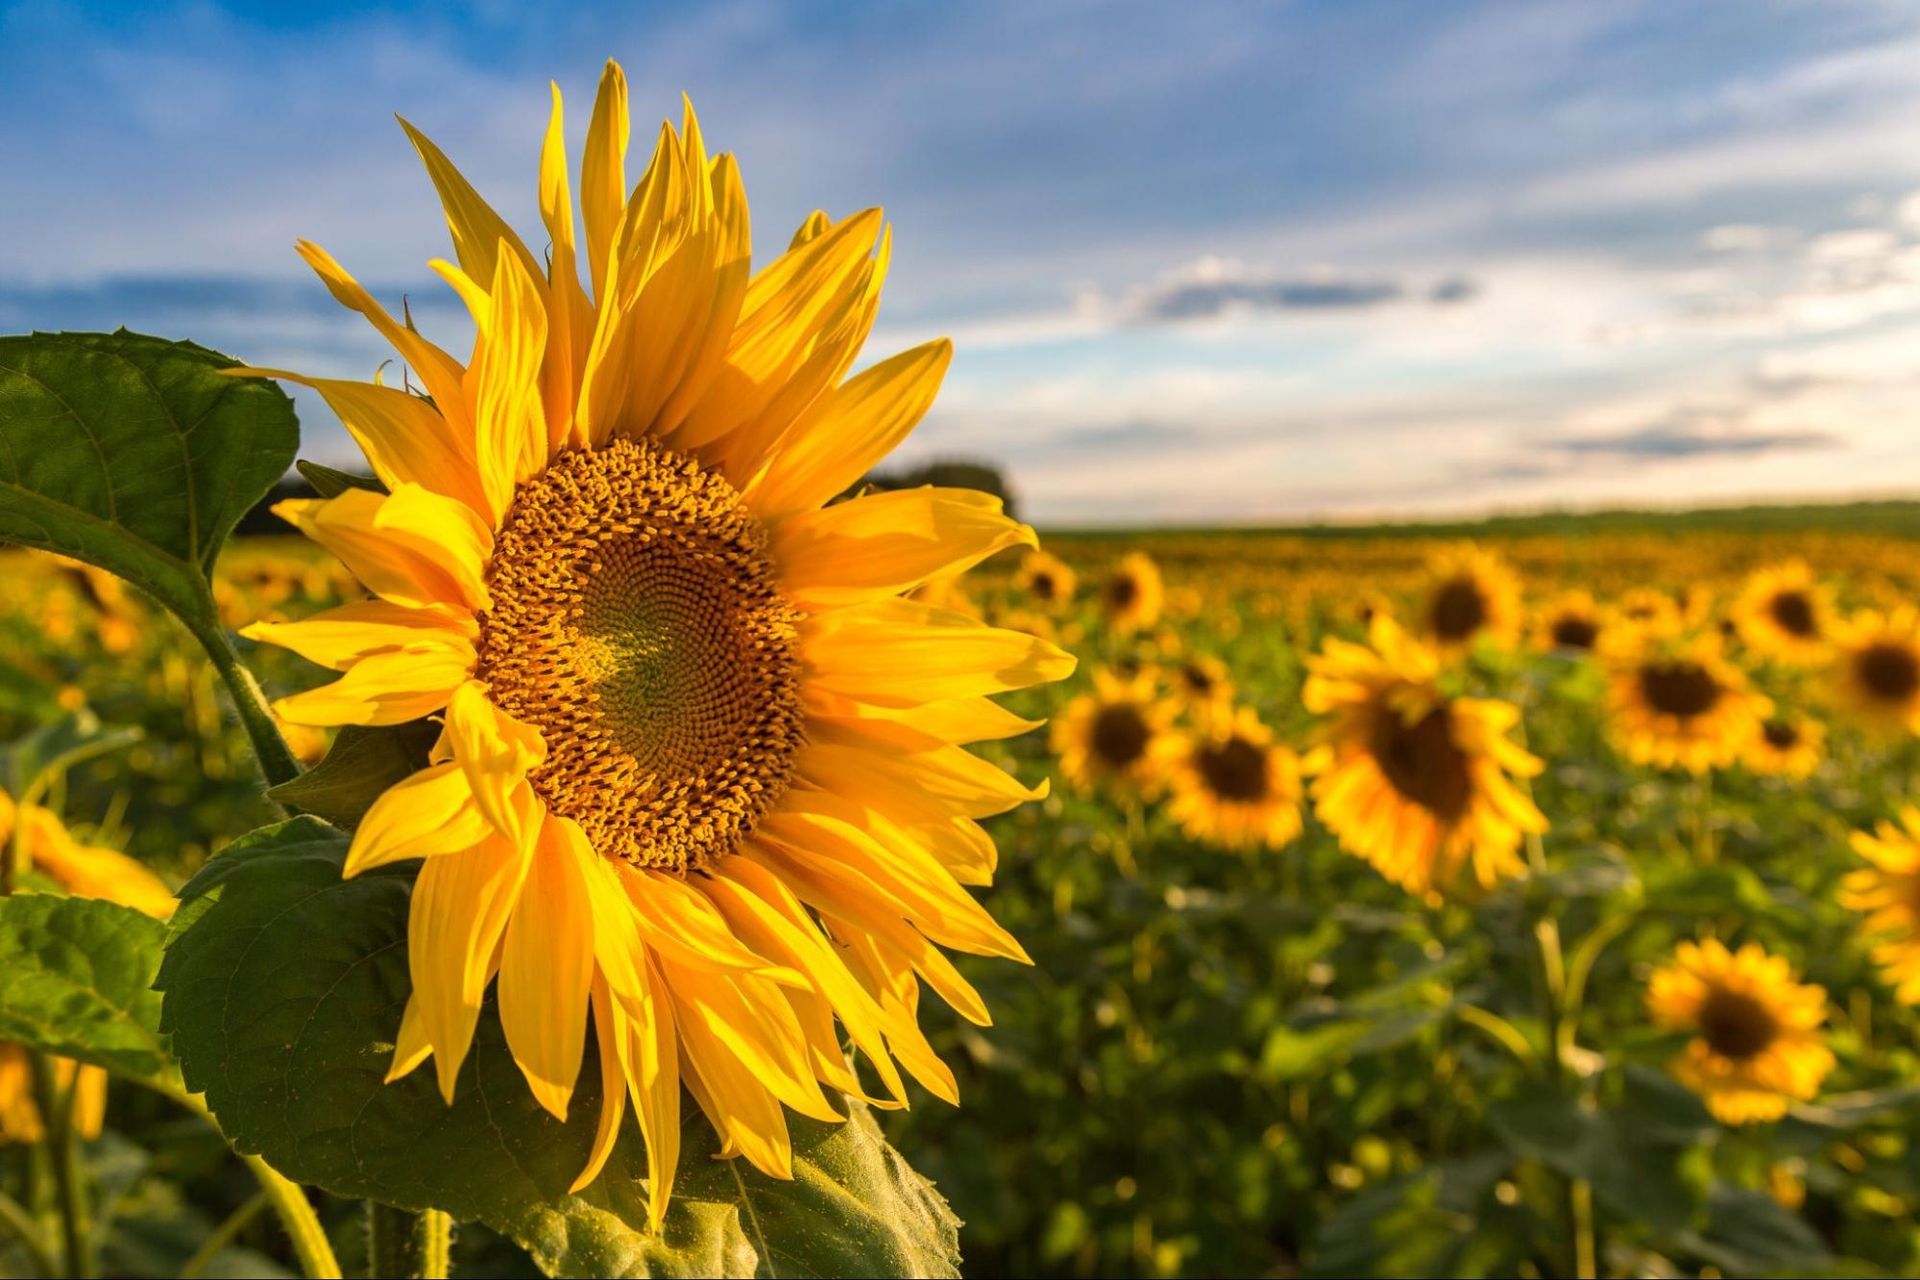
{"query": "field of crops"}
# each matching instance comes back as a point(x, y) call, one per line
point(1399, 905)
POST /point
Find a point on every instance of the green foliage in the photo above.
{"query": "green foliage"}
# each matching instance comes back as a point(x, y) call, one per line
point(134, 454)
point(362, 763)
point(78, 977)
point(283, 987)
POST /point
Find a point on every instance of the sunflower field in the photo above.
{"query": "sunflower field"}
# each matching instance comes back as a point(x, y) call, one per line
point(606, 835)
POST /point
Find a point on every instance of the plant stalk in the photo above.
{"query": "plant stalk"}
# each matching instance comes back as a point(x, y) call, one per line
point(275, 757)
point(403, 1243)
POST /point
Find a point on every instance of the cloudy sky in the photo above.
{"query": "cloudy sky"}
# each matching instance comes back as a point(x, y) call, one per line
point(1203, 262)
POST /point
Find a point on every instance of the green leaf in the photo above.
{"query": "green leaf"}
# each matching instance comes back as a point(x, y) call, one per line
point(283, 988)
point(1640, 1179)
point(134, 454)
point(79, 974)
point(362, 763)
point(1748, 1233)
point(27, 763)
point(330, 483)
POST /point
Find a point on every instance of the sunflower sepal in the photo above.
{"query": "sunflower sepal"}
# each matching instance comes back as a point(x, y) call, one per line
point(293, 1062)
point(362, 763)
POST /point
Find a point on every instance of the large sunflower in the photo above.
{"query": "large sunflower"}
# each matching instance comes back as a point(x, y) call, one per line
point(1471, 595)
point(83, 871)
point(1132, 594)
point(1232, 784)
point(1412, 779)
point(1674, 702)
point(1783, 612)
point(1756, 1042)
point(1877, 669)
point(1887, 890)
point(702, 767)
point(1110, 737)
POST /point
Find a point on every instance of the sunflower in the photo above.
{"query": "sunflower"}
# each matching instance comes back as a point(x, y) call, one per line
point(1132, 594)
point(1675, 702)
point(1571, 623)
point(1887, 890)
point(1784, 613)
point(83, 871)
point(1409, 778)
point(1877, 669)
point(1471, 595)
point(1201, 681)
point(1046, 579)
point(1785, 747)
point(1645, 609)
point(1231, 784)
point(1756, 1042)
point(1109, 737)
point(701, 766)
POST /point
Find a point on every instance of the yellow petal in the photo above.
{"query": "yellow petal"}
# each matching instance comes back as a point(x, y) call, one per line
point(569, 313)
point(898, 653)
point(603, 180)
point(887, 543)
point(495, 752)
point(383, 688)
point(93, 871)
point(510, 429)
point(430, 813)
point(410, 1046)
point(610, 1035)
point(480, 236)
point(679, 922)
point(411, 547)
point(926, 786)
point(343, 635)
point(546, 972)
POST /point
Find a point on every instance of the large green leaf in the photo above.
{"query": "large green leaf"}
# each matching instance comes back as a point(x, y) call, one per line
point(133, 453)
point(78, 976)
point(1635, 1173)
point(283, 987)
point(362, 763)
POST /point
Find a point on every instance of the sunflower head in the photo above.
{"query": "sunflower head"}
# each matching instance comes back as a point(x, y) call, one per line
point(1675, 702)
point(1887, 893)
point(1201, 682)
point(1471, 596)
point(1783, 612)
point(1571, 624)
point(1756, 1043)
point(1231, 784)
point(1046, 580)
point(1110, 737)
point(1786, 746)
point(1132, 594)
point(1876, 669)
point(1414, 780)
point(701, 766)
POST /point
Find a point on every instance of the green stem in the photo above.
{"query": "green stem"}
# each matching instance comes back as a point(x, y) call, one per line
point(223, 1235)
point(69, 1184)
point(402, 1243)
point(18, 1223)
point(276, 759)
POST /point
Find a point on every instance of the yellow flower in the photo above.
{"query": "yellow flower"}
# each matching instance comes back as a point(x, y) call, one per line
point(1471, 595)
point(1887, 891)
point(1674, 702)
point(1413, 780)
point(1132, 594)
point(84, 871)
point(1877, 669)
point(702, 767)
point(1785, 747)
point(1046, 579)
point(1784, 613)
point(1202, 682)
point(1756, 1042)
point(1645, 609)
point(1231, 784)
point(1107, 738)
point(1571, 623)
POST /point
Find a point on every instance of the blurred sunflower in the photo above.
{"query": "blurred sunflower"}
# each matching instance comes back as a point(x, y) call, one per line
point(1675, 702)
point(702, 766)
point(1877, 669)
point(1756, 1042)
point(1645, 609)
point(1571, 623)
point(84, 871)
point(1132, 594)
point(1887, 891)
point(1409, 778)
point(1471, 594)
point(1046, 579)
point(1787, 746)
point(1201, 681)
point(1784, 613)
point(1109, 737)
point(1231, 784)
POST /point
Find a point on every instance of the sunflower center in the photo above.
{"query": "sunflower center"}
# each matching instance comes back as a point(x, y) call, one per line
point(1458, 609)
point(1735, 1024)
point(1197, 680)
point(636, 622)
point(1793, 613)
point(1571, 632)
point(1120, 735)
point(1779, 734)
point(1889, 671)
point(1422, 762)
point(1680, 689)
point(1042, 585)
point(1234, 770)
point(1122, 591)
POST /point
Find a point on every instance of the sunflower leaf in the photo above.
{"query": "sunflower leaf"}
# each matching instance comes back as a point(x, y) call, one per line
point(134, 454)
point(329, 482)
point(362, 763)
point(79, 973)
point(283, 987)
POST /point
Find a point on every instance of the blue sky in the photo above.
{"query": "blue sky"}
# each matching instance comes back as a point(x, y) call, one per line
point(1202, 262)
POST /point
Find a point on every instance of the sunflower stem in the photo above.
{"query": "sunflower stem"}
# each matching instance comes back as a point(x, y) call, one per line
point(269, 748)
point(223, 1235)
point(18, 1223)
point(56, 1118)
point(404, 1243)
